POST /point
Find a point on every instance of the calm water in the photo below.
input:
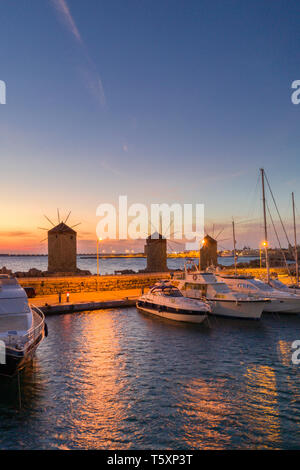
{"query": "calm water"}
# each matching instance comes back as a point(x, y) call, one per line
point(107, 266)
point(120, 379)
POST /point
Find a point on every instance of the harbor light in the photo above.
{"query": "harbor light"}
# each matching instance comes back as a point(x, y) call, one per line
point(99, 239)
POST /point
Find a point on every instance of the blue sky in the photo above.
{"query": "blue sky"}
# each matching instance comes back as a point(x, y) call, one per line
point(164, 101)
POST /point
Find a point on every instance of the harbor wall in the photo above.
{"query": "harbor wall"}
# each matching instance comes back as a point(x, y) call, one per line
point(75, 284)
point(257, 272)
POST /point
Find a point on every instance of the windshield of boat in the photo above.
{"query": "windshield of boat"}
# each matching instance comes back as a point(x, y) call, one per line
point(260, 285)
point(221, 287)
point(14, 323)
point(12, 306)
point(278, 284)
point(172, 292)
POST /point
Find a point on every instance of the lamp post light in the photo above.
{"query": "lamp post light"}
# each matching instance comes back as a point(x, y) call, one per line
point(98, 271)
point(263, 244)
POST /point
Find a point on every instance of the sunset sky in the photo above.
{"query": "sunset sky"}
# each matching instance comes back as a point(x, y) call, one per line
point(162, 101)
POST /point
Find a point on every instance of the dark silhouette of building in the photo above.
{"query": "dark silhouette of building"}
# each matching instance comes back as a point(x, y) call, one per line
point(62, 249)
point(156, 252)
point(208, 253)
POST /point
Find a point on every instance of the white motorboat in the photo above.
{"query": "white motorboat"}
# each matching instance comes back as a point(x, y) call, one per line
point(277, 284)
point(223, 301)
point(281, 301)
point(22, 327)
point(166, 301)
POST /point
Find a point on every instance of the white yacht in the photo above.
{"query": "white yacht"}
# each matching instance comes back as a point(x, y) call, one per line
point(166, 301)
point(281, 301)
point(277, 284)
point(223, 301)
point(22, 327)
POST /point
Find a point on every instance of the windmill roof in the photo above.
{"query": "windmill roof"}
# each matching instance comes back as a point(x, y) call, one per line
point(156, 236)
point(209, 238)
point(62, 228)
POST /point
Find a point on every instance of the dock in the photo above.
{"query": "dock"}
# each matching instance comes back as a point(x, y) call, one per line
point(58, 309)
point(86, 301)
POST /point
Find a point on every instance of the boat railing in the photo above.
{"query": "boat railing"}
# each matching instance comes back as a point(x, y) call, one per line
point(38, 325)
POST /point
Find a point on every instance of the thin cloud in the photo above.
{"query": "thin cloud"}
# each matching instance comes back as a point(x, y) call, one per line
point(14, 233)
point(65, 16)
point(92, 79)
point(94, 84)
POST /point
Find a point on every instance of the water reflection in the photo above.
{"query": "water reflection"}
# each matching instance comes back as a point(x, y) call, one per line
point(204, 409)
point(119, 380)
point(261, 410)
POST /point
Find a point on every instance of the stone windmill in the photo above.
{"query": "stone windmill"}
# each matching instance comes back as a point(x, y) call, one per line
point(62, 246)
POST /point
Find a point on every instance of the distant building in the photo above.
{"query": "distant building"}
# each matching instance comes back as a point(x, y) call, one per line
point(156, 253)
point(62, 249)
point(208, 253)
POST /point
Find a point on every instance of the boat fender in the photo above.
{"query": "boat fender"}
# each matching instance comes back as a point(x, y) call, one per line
point(46, 330)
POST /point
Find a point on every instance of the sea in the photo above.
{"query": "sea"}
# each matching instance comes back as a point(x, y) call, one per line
point(120, 379)
point(107, 265)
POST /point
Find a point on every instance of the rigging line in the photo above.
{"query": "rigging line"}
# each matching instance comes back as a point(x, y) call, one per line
point(181, 243)
point(224, 240)
point(283, 227)
point(174, 233)
point(170, 243)
point(223, 247)
point(164, 234)
point(246, 221)
point(282, 252)
point(220, 233)
point(252, 204)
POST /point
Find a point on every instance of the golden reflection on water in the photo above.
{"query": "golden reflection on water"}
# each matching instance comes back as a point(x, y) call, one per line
point(284, 353)
point(285, 356)
point(262, 414)
point(205, 407)
point(98, 411)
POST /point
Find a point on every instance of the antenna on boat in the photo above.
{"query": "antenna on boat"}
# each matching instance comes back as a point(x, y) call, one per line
point(295, 237)
point(234, 247)
point(265, 223)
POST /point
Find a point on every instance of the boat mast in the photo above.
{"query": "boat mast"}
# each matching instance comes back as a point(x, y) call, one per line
point(234, 248)
point(265, 223)
point(295, 235)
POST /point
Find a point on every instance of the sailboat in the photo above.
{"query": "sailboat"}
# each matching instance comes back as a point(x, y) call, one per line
point(281, 300)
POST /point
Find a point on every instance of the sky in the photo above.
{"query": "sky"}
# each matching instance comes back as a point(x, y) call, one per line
point(163, 101)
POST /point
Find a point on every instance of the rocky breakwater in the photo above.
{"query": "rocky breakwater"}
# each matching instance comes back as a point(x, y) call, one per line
point(75, 284)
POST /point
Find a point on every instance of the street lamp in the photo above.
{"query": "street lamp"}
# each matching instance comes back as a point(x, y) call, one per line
point(98, 240)
point(264, 244)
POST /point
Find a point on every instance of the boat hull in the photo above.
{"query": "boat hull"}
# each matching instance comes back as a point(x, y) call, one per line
point(249, 309)
point(283, 306)
point(182, 316)
point(17, 360)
